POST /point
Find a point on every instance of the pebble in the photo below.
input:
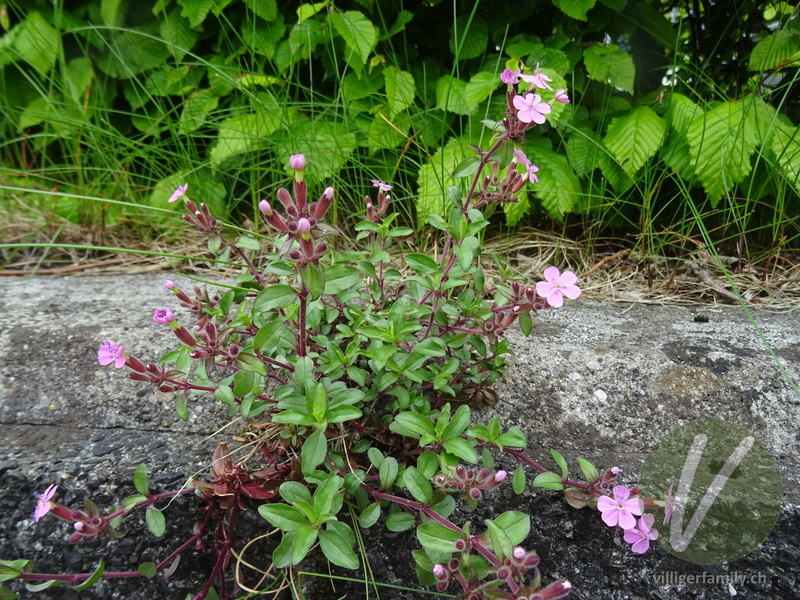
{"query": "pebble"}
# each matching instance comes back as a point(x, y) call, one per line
point(600, 395)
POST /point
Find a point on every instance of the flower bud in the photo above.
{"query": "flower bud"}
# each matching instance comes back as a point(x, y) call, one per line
point(500, 476)
point(297, 162)
point(183, 335)
point(265, 208)
point(162, 316)
point(518, 553)
point(303, 226)
point(169, 284)
point(439, 572)
point(503, 573)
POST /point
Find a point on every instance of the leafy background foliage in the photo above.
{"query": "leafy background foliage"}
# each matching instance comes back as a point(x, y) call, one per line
point(673, 105)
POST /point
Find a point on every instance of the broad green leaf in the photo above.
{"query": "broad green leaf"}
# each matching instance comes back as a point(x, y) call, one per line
point(294, 491)
point(36, 41)
point(589, 470)
point(400, 90)
point(721, 142)
point(549, 480)
point(140, 480)
point(558, 187)
point(451, 95)
point(266, 9)
point(112, 12)
point(306, 11)
point(155, 521)
point(480, 87)
point(400, 521)
point(432, 346)
point(500, 542)
point(358, 33)
point(275, 296)
point(182, 405)
point(576, 9)
point(370, 515)
point(516, 524)
point(283, 516)
point(461, 448)
point(525, 323)
point(786, 146)
point(387, 472)
point(407, 423)
point(434, 179)
point(337, 549)
point(682, 112)
point(147, 570)
point(196, 109)
point(421, 263)
point(130, 53)
point(251, 363)
point(313, 277)
point(331, 144)
point(436, 537)
point(338, 278)
point(418, 485)
point(611, 65)
point(634, 138)
point(562, 464)
point(774, 50)
point(314, 450)
point(468, 37)
point(245, 133)
point(304, 538)
point(178, 34)
point(325, 494)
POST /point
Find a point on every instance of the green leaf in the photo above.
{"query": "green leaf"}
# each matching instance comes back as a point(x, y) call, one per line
point(182, 405)
point(306, 11)
point(548, 480)
point(775, 50)
point(304, 538)
point(480, 87)
point(339, 278)
point(358, 33)
point(418, 485)
point(525, 323)
point(36, 41)
point(400, 521)
point(654, 22)
point(518, 480)
point(634, 138)
point(576, 9)
point(282, 555)
point(421, 263)
point(461, 448)
point(370, 515)
point(387, 472)
point(451, 95)
point(147, 570)
point(517, 525)
point(465, 168)
point(196, 10)
point(721, 142)
point(245, 133)
point(326, 493)
point(101, 567)
point(558, 187)
point(314, 278)
point(435, 537)
point(589, 470)
point(468, 37)
point(275, 296)
point(314, 450)
point(400, 90)
point(131, 53)
point(786, 146)
point(155, 521)
point(562, 464)
point(284, 517)
point(266, 9)
point(294, 491)
point(140, 480)
point(408, 423)
point(611, 65)
point(112, 12)
point(251, 363)
point(337, 549)
point(434, 179)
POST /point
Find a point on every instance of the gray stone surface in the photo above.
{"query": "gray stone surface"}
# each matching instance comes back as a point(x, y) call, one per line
point(596, 380)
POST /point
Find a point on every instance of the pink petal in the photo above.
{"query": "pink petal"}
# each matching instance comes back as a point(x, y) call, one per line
point(604, 503)
point(611, 517)
point(641, 546)
point(556, 299)
point(621, 493)
point(626, 520)
point(544, 289)
point(571, 291)
point(568, 278)
point(519, 103)
point(632, 536)
point(551, 274)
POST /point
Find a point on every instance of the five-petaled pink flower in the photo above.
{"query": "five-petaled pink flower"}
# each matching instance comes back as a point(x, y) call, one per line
point(556, 286)
point(641, 535)
point(384, 187)
point(621, 509)
point(162, 316)
point(179, 193)
point(43, 504)
point(510, 77)
point(531, 108)
point(561, 96)
point(538, 79)
point(110, 352)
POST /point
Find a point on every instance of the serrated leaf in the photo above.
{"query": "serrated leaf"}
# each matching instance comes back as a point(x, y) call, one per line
point(196, 10)
point(36, 41)
point(576, 9)
point(451, 95)
point(112, 12)
point(434, 179)
point(654, 22)
point(400, 90)
point(514, 211)
point(721, 142)
point(634, 138)
point(786, 146)
point(774, 50)
point(266, 9)
point(243, 133)
point(558, 187)
point(358, 32)
point(178, 34)
point(155, 521)
point(611, 65)
point(469, 35)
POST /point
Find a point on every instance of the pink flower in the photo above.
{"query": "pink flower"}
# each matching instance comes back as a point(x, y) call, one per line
point(297, 162)
point(640, 536)
point(558, 285)
point(510, 77)
point(532, 170)
point(179, 193)
point(538, 79)
point(384, 187)
point(521, 158)
point(110, 352)
point(620, 509)
point(43, 504)
point(162, 316)
point(561, 96)
point(531, 108)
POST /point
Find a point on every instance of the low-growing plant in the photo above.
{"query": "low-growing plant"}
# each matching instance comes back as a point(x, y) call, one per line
point(366, 377)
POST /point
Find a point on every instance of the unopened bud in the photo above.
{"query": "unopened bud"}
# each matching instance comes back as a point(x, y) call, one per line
point(303, 226)
point(297, 162)
point(500, 476)
point(265, 208)
point(162, 316)
point(439, 572)
point(518, 553)
point(169, 284)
